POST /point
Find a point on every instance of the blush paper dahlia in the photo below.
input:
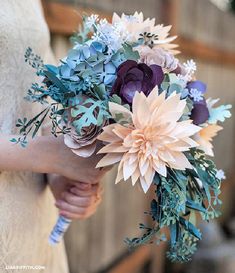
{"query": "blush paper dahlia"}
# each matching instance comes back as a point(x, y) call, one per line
point(122, 85)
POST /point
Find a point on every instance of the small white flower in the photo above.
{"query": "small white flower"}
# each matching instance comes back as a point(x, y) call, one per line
point(190, 66)
point(220, 174)
point(113, 36)
point(103, 22)
point(196, 95)
point(91, 20)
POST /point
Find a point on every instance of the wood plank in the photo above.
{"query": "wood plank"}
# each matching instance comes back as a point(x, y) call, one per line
point(170, 14)
point(134, 262)
point(64, 19)
point(199, 50)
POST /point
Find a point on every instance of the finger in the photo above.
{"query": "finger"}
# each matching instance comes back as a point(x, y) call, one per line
point(81, 215)
point(62, 205)
point(73, 216)
point(82, 186)
point(84, 193)
point(76, 200)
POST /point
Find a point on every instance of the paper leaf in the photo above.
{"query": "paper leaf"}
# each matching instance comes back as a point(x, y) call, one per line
point(219, 113)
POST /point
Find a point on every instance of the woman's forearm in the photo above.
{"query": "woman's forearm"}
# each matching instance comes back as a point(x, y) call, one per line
point(13, 157)
point(48, 154)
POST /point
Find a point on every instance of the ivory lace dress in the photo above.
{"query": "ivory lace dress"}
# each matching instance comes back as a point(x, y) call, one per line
point(27, 212)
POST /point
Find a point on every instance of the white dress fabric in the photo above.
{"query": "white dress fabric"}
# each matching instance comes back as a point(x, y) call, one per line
point(27, 212)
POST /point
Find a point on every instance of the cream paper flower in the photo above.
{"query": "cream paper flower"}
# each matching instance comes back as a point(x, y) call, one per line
point(153, 140)
point(158, 56)
point(136, 27)
point(205, 137)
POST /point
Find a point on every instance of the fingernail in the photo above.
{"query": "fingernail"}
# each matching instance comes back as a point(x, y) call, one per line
point(84, 185)
point(62, 213)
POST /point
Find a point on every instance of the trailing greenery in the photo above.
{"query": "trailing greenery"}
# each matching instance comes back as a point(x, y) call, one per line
point(178, 198)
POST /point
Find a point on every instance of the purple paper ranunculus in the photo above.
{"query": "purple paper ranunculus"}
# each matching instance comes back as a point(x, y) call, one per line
point(133, 77)
point(200, 86)
point(200, 112)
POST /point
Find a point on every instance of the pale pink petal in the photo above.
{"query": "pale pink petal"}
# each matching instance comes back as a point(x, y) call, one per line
point(115, 109)
point(185, 129)
point(182, 145)
point(109, 159)
point(108, 135)
point(121, 131)
point(119, 173)
point(143, 165)
point(153, 96)
point(166, 156)
point(149, 175)
point(160, 168)
point(181, 162)
point(206, 146)
point(132, 158)
point(85, 151)
point(155, 104)
point(135, 176)
point(128, 170)
point(141, 111)
point(115, 147)
point(69, 142)
point(145, 186)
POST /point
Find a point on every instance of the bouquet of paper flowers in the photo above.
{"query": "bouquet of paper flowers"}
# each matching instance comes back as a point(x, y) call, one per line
point(121, 84)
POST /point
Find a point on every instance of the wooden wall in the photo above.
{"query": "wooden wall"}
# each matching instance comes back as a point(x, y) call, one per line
point(204, 22)
point(205, 33)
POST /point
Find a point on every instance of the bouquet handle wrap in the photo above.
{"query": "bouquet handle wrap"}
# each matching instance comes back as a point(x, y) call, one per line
point(59, 230)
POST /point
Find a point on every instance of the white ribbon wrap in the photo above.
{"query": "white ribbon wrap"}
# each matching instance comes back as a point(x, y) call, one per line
point(59, 230)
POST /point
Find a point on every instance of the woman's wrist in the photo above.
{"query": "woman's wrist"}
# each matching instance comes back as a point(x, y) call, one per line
point(44, 149)
point(34, 157)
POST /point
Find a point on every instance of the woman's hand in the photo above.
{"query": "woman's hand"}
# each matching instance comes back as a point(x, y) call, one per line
point(47, 154)
point(75, 200)
point(64, 162)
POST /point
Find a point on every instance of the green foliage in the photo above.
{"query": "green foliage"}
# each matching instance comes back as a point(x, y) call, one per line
point(232, 4)
point(184, 248)
point(179, 196)
point(91, 112)
point(129, 53)
point(82, 35)
point(34, 60)
point(31, 126)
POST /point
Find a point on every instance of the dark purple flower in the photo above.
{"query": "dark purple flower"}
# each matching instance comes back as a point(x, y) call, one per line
point(200, 86)
point(200, 112)
point(133, 77)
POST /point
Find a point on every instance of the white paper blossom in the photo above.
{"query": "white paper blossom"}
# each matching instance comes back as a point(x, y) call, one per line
point(91, 20)
point(113, 36)
point(190, 66)
point(187, 70)
point(220, 174)
point(196, 95)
